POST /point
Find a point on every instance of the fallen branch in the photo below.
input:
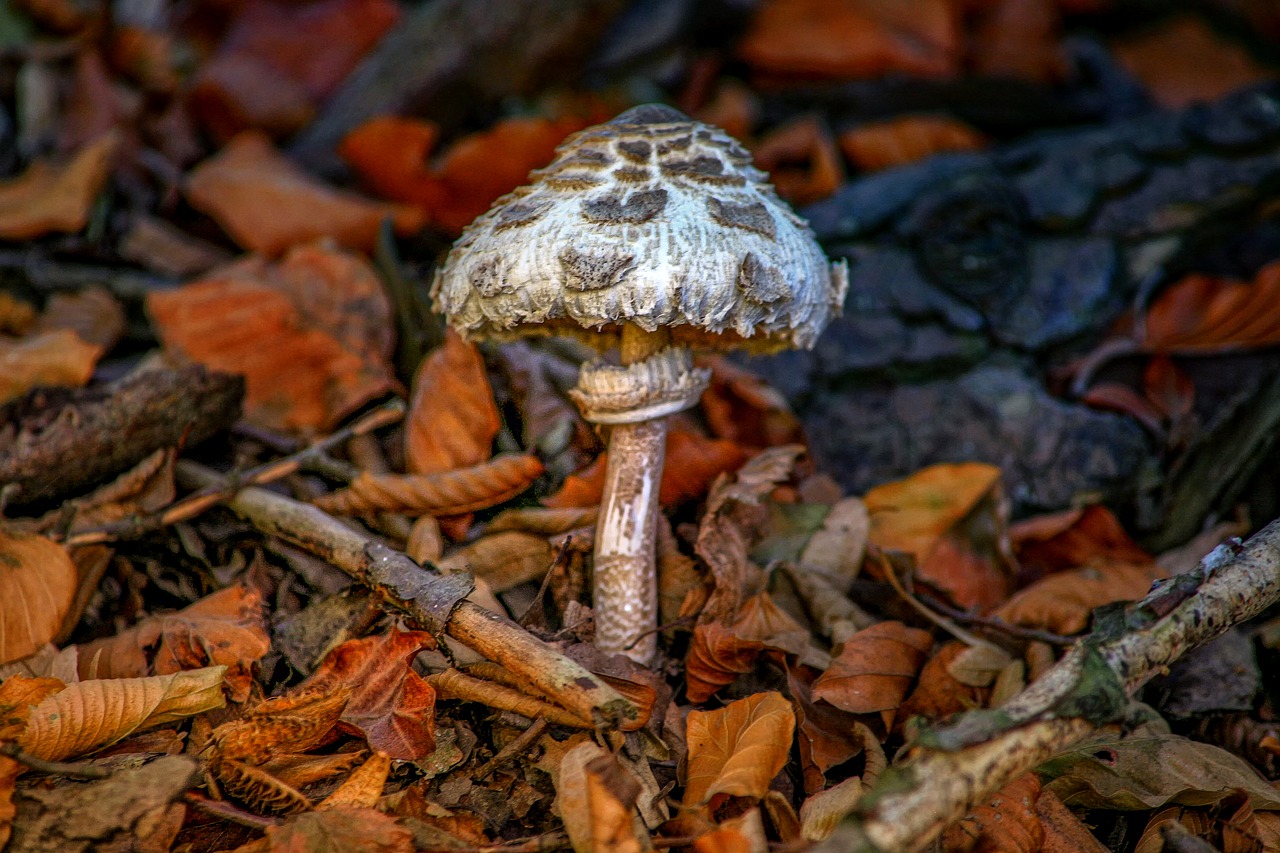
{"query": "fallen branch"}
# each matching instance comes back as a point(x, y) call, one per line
point(432, 601)
point(956, 767)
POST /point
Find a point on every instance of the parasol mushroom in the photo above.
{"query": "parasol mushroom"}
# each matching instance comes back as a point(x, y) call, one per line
point(652, 232)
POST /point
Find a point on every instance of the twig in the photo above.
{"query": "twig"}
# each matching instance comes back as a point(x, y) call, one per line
point(957, 766)
point(74, 770)
point(223, 809)
point(428, 599)
point(515, 749)
point(210, 496)
point(941, 621)
point(453, 684)
point(1018, 632)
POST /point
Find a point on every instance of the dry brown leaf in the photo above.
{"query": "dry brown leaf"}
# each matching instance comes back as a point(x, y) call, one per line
point(741, 407)
point(300, 769)
point(363, 787)
point(291, 723)
point(344, 828)
point(544, 521)
point(938, 694)
point(1007, 823)
point(311, 334)
point(951, 518)
point(93, 314)
point(905, 139)
point(447, 493)
point(426, 540)
point(145, 487)
point(267, 204)
point(18, 695)
point(48, 198)
point(1018, 38)
point(1063, 831)
point(39, 582)
point(821, 813)
point(572, 802)
point(1062, 602)
point(89, 715)
point(226, 628)
point(17, 315)
point(826, 736)
point(874, 669)
point(503, 560)
point(1045, 544)
point(800, 157)
point(836, 549)
point(1207, 314)
point(849, 39)
point(738, 749)
point(719, 653)
point(452, 418)
point(50, 358)
point(390, 705)
point(612, 791)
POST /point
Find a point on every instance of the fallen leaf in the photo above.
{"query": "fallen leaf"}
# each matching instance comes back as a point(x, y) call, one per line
point(267, 204)
point(447, 493)
point(227, 628)
point(452, 418)
point(345, 828)
point(719, 653)
point(1063, 831)
point(1021, 39)
point(738, 749)
point(89, 715)
point(310, 333)
point(850, 39)
point(951, 518)
point(874, 669)
point(1063, 602)
point(741, 407)
point(1207, 314)
point(390, 705)
point(692, 463)
point(595, 797)
point(1007, 822)
point(52, 358)
point(363, 787)
point(826, 736)
point(938, 694)
point(800, 157)
point(391, 154)
point(39, 582)
point(48, 198)
point(18, 695)
point(1045, 544)
point(821, 813)
point(906, 139)
point(93, 314)
point(1181, 60)
point(502, 560)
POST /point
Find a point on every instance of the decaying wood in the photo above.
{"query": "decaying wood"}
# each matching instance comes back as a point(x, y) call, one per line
point(56, 442)
point(431, 601)
point(964, 763)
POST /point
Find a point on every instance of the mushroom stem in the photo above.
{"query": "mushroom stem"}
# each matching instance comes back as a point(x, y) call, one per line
point(625, 587)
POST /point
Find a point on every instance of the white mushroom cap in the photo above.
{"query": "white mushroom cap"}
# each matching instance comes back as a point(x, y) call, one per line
point(652, 219)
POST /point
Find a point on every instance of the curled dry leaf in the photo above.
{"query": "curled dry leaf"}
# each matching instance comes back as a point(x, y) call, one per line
point(39, 582)
point(344, 828)
point(392, 155)
point(146, 487)
point(1063, 831)
point(1045, 544)
point(48, 198)
point(938, 693)
point(452, 418)
point(363, 787)
point(719, 653)
point(905, 139)
point(1207, 314)
point(268, 204)
point(446, 493)
point(692, 463)
point(849, 39)
point(226, 628)
point(503, 560)
point(18, 695)
point(310, 334)
point(89, 715)
point(741, 407)
point(952, 519)
point(821, 813)
point(1063, 602)
point(826, 736)
point(49, 358)
point(544, 521)
point(595, 797)
point(738, 749)
point(801, 159)
point(390, 704)
point(874, 669)
point(1008, 822)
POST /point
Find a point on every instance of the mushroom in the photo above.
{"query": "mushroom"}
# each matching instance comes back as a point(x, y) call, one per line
point(652, 232)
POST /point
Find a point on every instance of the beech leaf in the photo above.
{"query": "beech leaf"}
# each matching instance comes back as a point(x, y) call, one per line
point(874, 669)
point(452, 418)
point(39, 581)
point(738, 749)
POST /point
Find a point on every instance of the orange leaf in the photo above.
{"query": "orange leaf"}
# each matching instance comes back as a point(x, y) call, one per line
point(452, 417)
point(39, 582)
point(940, 694)
point(1070, 539)
point(1007, 823)
point(1182, 60)
point(800, 157)
point(719, 653)
point(693, 462)
point(1062, 602)
point(874, 669)
point(1206, 314)
point(391, 154)
point(267, 204)
point(906, 139)
point(48, 198)
point(853, 38)
point(447, 493)
point(342, 828)
point(951, 518)
point(741, 407)
point(227, 628)
point(738, 749)
point(50, 358)
point(1018, 38)
point(311, 333)
point(826, 735)
point(390, 704)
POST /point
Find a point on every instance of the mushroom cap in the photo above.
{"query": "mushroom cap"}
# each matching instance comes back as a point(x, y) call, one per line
point(651, 219)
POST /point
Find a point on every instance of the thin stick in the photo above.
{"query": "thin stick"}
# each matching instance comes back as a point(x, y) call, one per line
point(428, 599)
point(210, 496)
point(60, 768)
point(453, 684)
point(936, 785)
point(518, 746)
